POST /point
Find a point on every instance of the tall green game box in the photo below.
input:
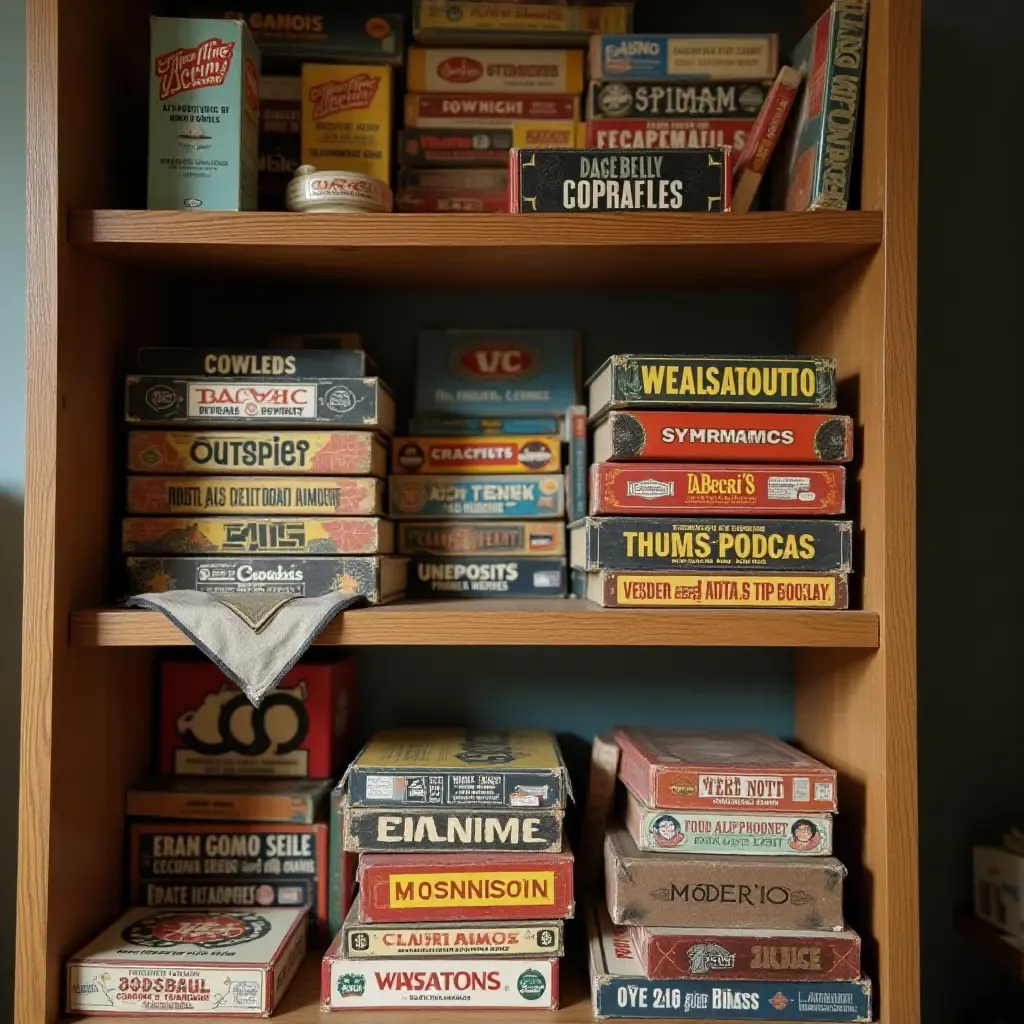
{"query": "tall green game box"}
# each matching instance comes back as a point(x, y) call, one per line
point(204, 88)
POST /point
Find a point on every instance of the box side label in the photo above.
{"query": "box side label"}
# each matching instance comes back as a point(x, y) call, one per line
point(685, 589)
point(387, 831)
point(656, 57)
point(482, 454)
point(367, 787)
point(512, 939)
point(492, 71)
point(503, 497)
point(432, 576)
point(636, 133)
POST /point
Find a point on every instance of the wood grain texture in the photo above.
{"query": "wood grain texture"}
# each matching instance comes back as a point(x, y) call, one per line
point(543, 622)
point(858, 711)
point(490, 251)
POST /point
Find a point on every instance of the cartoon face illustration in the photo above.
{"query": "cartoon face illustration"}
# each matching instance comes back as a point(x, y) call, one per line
point(804, 835)
point(666, 831)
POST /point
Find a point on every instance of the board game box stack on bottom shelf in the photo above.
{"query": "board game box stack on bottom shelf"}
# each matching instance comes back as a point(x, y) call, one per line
point(465, 878)
point(722, 898)
point(231, 862)
point(477, 486)
point(716, 483)
point(260, 472)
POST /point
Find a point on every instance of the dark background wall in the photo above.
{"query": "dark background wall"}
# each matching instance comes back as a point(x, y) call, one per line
point(971, 695)
point(970, 691)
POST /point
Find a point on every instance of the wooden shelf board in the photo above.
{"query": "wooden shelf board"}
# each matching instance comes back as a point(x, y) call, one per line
point(538, 622)
point(492, 251)
point(301, 1005)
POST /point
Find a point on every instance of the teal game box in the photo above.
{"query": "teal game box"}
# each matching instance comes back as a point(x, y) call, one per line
point(204, 89)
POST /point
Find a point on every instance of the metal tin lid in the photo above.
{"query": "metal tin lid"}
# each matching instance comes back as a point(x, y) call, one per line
point(313, 191)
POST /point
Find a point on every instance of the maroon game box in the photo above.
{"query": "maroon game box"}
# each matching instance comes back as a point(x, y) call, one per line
point(681, 770)
point(683, 436)
point(452, 202)
point(454, 147)
point(465, 886)
point(674, 488)
point(675, 133)
point(746, 954)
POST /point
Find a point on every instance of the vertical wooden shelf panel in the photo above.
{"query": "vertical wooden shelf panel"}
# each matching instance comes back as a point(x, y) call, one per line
point(859, 713)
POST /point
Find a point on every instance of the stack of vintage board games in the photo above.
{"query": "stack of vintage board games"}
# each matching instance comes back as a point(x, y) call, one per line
point(469, 103)
point(229, 856)
point(264, 475)
point(689, 485)
point(478, 485)
point(722, 897)
point(464, 875)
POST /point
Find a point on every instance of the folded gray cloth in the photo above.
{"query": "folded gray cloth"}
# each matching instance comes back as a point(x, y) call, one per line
point(253, 638)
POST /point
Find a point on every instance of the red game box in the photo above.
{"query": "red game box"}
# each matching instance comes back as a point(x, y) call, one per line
point(300, 730)
point(465, 886)
point(681, 770)
point(677, 488)
point(723, 437)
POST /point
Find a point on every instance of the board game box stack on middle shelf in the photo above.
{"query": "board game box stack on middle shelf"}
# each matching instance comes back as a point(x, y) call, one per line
point(698, 500)
point(260, 472)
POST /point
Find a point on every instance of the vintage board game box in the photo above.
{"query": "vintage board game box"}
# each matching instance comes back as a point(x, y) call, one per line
point(819, 157)
point(452, 201)
point(456, 426)
point(211, 961)
point(497, 372)
point(619, 988)
point(279, 145)
point(204, 88)
point(761, 545)
point(746, 953)
point(650, 382)
point(715, 891)
point(453, 179)
point(321, 452)
point(480, 110)
point(454, 147)
point(482, 538)
point(299, 801)
point(675, 99)
point(787, 835)
point(764, 137)
point(519, 768)
point(501, 939)
point(483, 454)
point(518, 72)
point(577, 461)
point(476, 982)
point(241, 865)
point(403, 830)
point(225, 495)
point(998, 888)
point(235, 362)
point(376, 579)
point(655, 58)
point(341, 872)
point(339, 401)
point(638, 181)
point(636, 133)
point(678, 489)
point(723, 437)
point(487, 576)
point(675, 769)
point(422, 887)
point(469, 22)
point(346, 118)
point(294, 32)
point(300, 730)
point(482, 497)
point(689, 588)
point(267, 535)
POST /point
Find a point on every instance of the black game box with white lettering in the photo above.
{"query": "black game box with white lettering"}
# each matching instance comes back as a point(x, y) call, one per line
point(633, 181)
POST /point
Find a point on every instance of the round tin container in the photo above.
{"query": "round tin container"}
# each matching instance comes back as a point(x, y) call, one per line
point(313, 191)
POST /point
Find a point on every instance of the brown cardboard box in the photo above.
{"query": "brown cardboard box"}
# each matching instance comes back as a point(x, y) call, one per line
point(694, 890)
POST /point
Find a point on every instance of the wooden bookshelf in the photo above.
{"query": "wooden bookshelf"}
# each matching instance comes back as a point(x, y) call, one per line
point(102, 278)
point(537, 622)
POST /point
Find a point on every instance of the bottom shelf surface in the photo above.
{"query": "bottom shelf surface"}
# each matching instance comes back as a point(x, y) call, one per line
point(301, 1005)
